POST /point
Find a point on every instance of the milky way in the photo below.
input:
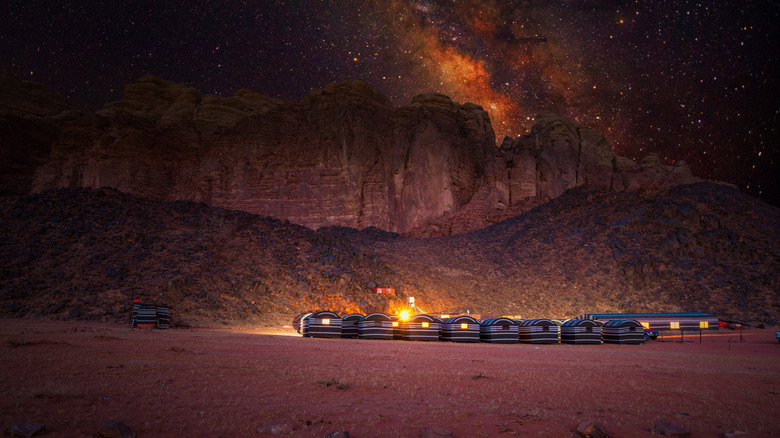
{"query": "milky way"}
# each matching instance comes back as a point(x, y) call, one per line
point(692, 81)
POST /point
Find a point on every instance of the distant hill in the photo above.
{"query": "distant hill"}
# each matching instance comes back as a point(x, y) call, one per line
point(85, 254)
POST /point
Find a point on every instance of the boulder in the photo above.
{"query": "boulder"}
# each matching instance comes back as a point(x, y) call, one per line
point(666, 428)
point(115, 429)
point(436, 432)
point(592, 429)
point(276, 429)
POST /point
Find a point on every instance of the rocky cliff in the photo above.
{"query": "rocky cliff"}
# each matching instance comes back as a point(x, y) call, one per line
point(343, 156)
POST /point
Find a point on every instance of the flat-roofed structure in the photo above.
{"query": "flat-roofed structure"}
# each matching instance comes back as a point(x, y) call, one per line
point(665, 323)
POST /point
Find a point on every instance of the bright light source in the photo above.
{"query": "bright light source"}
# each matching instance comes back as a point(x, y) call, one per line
point(704, 324)
point(444, 316)
point(674, 325)
point(464, 326)
point(395, 323)
point(404, 315)
point(325, 321)
point(425, 324)
point(645, 324)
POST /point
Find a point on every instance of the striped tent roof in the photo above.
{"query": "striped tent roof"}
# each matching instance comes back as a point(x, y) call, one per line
point(580, 323)
point(353, 317)
point(424, 318)
point(498, 321)
point(622, 323)
point(535, 322)
point(377, 316)
point(461, 319)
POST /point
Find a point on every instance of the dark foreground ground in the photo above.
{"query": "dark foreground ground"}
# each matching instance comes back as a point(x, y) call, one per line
point(218, 383)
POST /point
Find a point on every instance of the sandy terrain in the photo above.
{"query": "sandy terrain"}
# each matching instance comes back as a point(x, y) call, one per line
point(218, 383)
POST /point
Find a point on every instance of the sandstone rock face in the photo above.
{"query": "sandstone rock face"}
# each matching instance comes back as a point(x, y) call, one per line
point(31, 117)
point(343, 156)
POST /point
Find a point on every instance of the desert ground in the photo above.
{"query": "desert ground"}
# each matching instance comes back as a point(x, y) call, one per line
point(73, 376)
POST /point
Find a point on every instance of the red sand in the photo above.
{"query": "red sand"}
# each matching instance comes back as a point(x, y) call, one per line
point(217, 383)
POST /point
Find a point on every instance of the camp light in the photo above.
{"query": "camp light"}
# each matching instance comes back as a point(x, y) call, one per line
point(425, 324)
point(325, 321)
point(404, 315)
point(464, 326)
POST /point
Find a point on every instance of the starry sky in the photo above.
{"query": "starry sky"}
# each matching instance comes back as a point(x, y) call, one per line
point(693, 81)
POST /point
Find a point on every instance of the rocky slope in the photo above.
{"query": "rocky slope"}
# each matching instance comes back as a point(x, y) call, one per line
point(343, 156)
point(77, 253)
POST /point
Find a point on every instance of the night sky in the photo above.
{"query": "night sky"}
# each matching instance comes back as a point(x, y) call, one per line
point(693, 81)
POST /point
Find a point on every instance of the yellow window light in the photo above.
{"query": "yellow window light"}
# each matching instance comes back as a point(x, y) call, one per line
point(445, 316)
point(645, 324)
point(464, 326)
point(704, 324)
point(325, 321)
point(674, 325)
point(425, 325)
point(395, 323)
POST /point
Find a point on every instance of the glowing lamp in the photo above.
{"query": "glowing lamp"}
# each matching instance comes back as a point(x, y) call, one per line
point(674, 324)
point(404, 315)
point(325, 321)
point(645, 324)
point(445, 316)
point(704, 324)
point(425, 325)
point(464, 326)
point(395, 323)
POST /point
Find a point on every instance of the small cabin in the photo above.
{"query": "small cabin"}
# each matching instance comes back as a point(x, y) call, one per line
point(324, 324)
point(349, 325)
point(375, 326)
point(623, 331)
point(461, 328)
point(422, 328)
point(581, 331)
point(664, 323)
point(538, 331)
point(498, 331)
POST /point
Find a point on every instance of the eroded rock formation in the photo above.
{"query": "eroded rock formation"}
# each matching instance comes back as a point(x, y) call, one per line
point(343, 156)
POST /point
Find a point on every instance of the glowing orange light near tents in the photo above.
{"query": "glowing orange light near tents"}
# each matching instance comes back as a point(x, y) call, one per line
point(464, 326)
point(404, 315)
point(425, 324)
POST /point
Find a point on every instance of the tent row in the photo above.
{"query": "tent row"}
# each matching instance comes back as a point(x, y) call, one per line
point(326, 324)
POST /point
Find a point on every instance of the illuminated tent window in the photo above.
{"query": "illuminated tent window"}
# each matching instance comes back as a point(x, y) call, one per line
point(674, 324)
point(325, 321)
point(704, 324)
point(645, 324)
point(426, 324)
point(464, 326)
point(395, 323)
point(445, 316)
